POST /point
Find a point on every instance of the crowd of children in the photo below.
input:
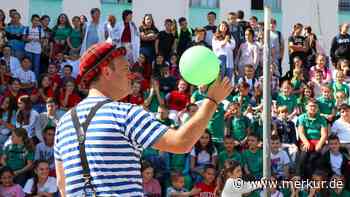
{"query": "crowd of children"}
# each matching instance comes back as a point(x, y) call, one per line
point(310, 108)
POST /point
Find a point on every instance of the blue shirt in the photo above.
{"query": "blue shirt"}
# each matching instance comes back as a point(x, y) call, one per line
point(114, 141)
point(18, 31)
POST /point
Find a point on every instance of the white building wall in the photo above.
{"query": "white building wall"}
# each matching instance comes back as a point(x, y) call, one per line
point(321, 15)
point(227, 6)
point(79, 7)
point(22, 7)
point(160, 9)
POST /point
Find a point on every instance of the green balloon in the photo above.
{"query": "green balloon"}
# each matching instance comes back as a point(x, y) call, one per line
point(199, 65)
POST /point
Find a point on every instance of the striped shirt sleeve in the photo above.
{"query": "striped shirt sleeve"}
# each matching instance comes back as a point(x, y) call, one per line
point(56, 147)
point(142, 128)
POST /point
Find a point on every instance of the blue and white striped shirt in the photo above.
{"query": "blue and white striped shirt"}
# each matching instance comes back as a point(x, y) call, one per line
point(114, 140)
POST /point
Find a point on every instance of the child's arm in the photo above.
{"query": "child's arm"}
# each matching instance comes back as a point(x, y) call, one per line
point(324, 135)
point(27, 85)
point(286, 171)
point(25, 169)
point(306, 144)
point(193, 192)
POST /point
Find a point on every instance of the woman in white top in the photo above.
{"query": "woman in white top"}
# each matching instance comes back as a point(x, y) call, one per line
point(41, 184)
point(230, 183)
point(223, 46)
point(248, 53)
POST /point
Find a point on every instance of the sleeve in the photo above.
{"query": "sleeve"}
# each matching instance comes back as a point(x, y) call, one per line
point(323, 122)
point(334, 46)
point(28, 186)
point(19, 191)
point(286, 159)
point(30, 156)
point(142, 128)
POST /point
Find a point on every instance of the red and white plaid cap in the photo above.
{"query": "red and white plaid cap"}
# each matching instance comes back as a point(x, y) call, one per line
point(96, 57)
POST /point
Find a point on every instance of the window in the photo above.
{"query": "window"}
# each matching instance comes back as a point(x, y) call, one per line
point(116, 1)
point(204, 3)
point(344, 5)
point(259, 4)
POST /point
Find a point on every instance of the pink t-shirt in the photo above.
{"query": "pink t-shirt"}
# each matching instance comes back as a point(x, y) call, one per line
point(152, 187)
point(326, 74)
point(14, 191)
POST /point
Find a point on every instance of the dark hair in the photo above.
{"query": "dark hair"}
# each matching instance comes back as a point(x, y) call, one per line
point(254, 18)
point(191, 105)
point(182, 19)
point(224, 175)
point(43, 17)
point(126, 13)
point(145, 164)
point(168, 20)
point(3, 62)
point(175, 175)
point(275, 138)
point(94, 10)
point(35, 16)
point(58, 21)
point(212, 13)
point(48, 128)
point(4, 16)
point(209, 148)
point(256, 136)
point(6, 169)
point(240, 14)
point(219, 34)
point(36, 178)
point(273, 21)
point(23, 116)
point(51, 101)
point(68, 66)
point(333, 137)
point(9, 110)
point(209, 166)
point(22, 133)
point(232, 13)
point(26, 58)
point(144, 23)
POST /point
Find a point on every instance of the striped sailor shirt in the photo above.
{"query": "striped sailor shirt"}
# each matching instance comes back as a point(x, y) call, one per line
point(114, 141)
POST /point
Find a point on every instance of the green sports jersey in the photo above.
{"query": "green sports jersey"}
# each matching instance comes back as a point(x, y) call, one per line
point(153, 106)
point(254, 162)
point(326, 105)
point(223, 156)
point(17, 156)
point(197, 96)
point(245, 102)
point(239, 126)
point(312, 126)
point(340, 87)
point(216, 125)
point(289, 101)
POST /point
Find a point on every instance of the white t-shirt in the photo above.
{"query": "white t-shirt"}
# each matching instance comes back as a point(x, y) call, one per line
point(50, 186)
point(24, 76)
point(203, 157)
point(342, 129)
point(232, 189)
point(278, 161)
point(43, 152)
point(35, 45)
point(13, 63)
point(336, 161)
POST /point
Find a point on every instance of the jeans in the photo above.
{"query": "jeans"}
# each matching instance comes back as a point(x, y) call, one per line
point(149, 52)
point(35, 58)
point(224, 70)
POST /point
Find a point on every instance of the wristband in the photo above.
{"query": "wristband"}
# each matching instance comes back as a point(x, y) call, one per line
point(214, 101)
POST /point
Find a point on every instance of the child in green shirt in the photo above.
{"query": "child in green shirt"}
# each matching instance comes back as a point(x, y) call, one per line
point(339, 84)
point(237, 125)
point(199, 94)
point(252, 157)
point(326, 103)
point(243, 97)
point(19, 155)
point(229, 153)
point(286, 98)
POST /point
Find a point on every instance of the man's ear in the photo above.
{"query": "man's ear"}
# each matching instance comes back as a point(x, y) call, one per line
point(106, 72)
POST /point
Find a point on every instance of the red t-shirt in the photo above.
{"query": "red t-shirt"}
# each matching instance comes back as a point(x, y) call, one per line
point(126, 36)
point(73, 99)
point(137, 100)
point(207, 190)
point(55, 78)
point(48, 92)
point(8, 93)
point(178, 100)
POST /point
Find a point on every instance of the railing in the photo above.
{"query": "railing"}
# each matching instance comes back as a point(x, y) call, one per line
point(116, 1)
